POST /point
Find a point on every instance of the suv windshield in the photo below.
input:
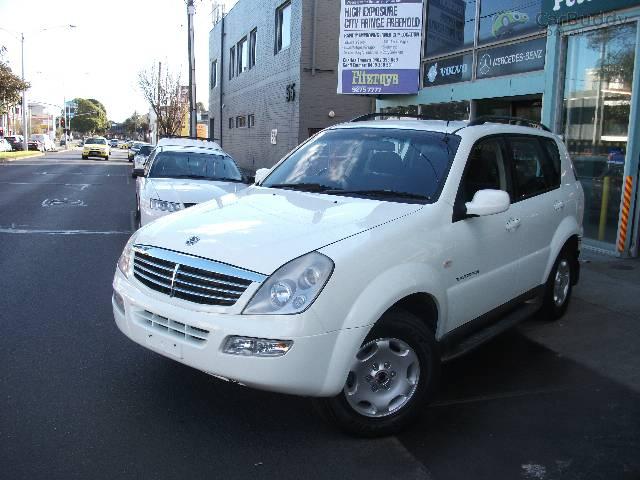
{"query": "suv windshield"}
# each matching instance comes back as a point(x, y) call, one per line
point(372, 162)
point(208, 166)
point(96, 141)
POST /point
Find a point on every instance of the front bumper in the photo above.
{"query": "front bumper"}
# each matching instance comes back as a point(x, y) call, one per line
point(316, 365)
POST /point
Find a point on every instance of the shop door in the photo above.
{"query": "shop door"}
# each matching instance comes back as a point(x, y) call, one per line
point(596, 109)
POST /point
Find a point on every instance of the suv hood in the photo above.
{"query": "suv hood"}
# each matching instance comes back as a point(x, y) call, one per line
point(261, 229)
point(189, 191)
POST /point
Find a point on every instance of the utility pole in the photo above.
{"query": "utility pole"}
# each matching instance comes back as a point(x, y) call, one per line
point(159, 106)
point(192, 71)
point(25, 143)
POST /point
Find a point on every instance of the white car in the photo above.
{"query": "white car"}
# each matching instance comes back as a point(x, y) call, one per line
point(369, 255)
point(182, 173)
point(45, 140)
point(4, 145)
point(140, 160)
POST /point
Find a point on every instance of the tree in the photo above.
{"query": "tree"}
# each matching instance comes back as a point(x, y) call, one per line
point(90, 117)
point(11, 86)
point(166, 98)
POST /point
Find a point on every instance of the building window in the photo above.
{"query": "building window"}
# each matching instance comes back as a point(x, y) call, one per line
point(252, 47)
point(241, 121)
point(214, 75)
point(242, 56)
point(251, 120)
point(232, 62)
point(283, 26)
point(230, 122)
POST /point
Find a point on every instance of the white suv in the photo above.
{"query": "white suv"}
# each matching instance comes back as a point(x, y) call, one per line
point(366, 257)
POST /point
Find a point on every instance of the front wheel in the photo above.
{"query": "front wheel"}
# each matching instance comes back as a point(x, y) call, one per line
point(85, 157)
point(392, 377)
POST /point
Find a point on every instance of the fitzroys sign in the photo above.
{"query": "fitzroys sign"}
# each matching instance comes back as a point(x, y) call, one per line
point(379, 46)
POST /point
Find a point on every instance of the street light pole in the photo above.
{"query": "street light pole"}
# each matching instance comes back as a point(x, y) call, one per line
point(192, 71)
point(25, 143)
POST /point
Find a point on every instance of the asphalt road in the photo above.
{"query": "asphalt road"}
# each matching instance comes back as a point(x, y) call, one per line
point(79, 400)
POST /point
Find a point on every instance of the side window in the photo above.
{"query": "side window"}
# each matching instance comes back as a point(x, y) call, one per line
point(485, 169)
point(554, 156)
point(529, 165)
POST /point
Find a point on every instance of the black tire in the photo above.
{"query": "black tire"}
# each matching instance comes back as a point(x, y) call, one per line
point(408, 328)
point(555, 301)
point(85, 157)
point(106, 158)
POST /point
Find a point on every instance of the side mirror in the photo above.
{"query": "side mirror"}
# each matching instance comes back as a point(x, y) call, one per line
point(488, 202)
point(249, 179)
point(261, 174)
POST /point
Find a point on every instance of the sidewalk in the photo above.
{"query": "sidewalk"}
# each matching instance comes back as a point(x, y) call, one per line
point(602, 326)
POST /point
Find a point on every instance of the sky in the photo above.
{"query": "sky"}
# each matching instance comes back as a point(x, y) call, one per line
point(100, 58)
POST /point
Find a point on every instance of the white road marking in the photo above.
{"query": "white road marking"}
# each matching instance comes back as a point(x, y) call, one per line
point(82, 186)
point(64, 232)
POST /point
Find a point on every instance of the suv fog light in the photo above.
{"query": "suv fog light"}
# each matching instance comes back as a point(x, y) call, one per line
point(258, 347)
point(119, 301)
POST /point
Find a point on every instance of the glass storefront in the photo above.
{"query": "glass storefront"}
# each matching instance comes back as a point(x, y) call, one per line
point(596, 109)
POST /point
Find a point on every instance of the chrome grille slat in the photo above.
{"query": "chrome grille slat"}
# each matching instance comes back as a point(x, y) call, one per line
point(154, 281)
point(193, 279)
point(211, 279)
point(141, 258)
point(230, 292)
point(204, 295)
point(168, 277)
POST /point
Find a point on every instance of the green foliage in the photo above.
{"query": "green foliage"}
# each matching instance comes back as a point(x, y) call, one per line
point(11, 87)
point(90, 117)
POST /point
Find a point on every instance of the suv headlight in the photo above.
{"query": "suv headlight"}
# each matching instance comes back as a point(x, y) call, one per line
point(157, 204)
point(293, 287)
point(125, 262)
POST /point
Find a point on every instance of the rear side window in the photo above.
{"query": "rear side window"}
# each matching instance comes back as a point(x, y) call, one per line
point(554, 155)
point(532, 169)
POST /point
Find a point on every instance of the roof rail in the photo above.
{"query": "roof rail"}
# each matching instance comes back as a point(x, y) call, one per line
point(525, 122)
point(369, 116)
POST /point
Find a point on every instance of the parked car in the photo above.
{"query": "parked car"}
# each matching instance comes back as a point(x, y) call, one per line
point(15, 141)
point(36, 145)
point(182, 173)
point(95, 147)
point(45, 140)
point(365, 258)
point(140, 159)
point(135, 147)
point(5, 146)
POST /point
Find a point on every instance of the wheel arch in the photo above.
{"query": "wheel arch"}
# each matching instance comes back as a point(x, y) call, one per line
point(567, 236)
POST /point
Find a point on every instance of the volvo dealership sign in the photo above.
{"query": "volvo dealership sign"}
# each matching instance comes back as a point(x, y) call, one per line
point(450, 70)
point(380, 46)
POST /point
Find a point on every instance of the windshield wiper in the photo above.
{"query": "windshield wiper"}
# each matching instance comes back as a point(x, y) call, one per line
point(380, 193)
point(308, 187)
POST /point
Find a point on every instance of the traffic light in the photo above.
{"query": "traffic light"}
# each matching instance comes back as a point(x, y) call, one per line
point(62, 122)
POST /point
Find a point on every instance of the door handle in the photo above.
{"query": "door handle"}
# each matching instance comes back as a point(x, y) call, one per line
point(512, 224)
point(559, 205)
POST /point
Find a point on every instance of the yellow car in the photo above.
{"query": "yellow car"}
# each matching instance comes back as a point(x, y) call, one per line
point(96, 147)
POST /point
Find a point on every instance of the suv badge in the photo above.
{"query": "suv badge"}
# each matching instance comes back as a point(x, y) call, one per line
point(192, 241)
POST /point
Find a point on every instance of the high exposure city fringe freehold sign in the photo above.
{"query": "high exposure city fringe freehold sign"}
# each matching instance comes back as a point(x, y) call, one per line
point(380, 44)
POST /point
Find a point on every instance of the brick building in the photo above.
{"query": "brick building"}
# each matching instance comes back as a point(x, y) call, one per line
point(273, 77)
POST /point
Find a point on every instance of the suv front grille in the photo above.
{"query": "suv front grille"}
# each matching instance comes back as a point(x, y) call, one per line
point(191, 278)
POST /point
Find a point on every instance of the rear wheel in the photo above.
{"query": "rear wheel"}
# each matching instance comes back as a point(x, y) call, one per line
point(559, 286)
point(85, 157)
point(391, 379)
